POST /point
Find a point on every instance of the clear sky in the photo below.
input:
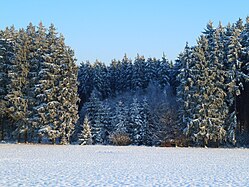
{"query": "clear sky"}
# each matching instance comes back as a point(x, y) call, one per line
point(106, 29)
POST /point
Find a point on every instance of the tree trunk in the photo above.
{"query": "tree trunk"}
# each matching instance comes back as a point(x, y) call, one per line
point(26, 135)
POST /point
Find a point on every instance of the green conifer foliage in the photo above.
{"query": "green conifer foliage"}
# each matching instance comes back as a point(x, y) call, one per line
point(57, 89)
point(17, 89)
point(6, 54)
point(136, 122)
point(183, 90)
point(85, 136)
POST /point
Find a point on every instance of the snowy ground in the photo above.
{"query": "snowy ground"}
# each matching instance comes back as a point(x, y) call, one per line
point(47, 165)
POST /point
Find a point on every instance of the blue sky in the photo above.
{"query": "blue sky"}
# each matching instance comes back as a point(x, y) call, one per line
point(106, 29)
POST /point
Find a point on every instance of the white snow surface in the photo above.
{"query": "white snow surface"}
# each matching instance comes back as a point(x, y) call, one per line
point(72, 165)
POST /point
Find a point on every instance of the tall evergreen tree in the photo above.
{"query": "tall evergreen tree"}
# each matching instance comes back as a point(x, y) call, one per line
point(85, 79)
point(57, 89)
point(138, 78)
point(100, 79)
point(209, 112)
point(126, 74)
point(244, 78)
point(6, 55)
point(136, 128)
point(17, 89)
point(184, 77)
point(120, 119)
point(163, 72)
point(95, 114)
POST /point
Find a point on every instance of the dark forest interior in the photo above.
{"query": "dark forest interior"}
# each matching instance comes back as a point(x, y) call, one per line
point(243, 114)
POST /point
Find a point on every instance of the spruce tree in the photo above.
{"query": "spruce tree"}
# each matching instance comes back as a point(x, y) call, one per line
point(100, 79)
point(120, 119)
point(57, 90)
point(209, 110)
point(17, 89)
point(125, 78)
point(85, 136)
point(67, 92)
point(233, 68)
point(114, 73)
point(185, 79)
point(163, 72)
point(48, 73)
point(6, 54)
point(85, 79)
point(138, 78)
point(37, 40)
point(94, 109)
point(136, 127)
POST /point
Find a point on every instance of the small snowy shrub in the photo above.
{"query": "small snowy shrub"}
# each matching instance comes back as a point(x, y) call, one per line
point(120, 139)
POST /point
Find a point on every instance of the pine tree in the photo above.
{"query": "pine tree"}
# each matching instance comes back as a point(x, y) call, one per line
point(185, 79)
point(217, 107)
point(114, 73)
point(100, 79)
point(106, 121)
point(85, 137)
point(136, 123)
point(151, 70)
point(33, 64)
point(48, 73)
point(126, 74)
point(57, 90)
point(6, 54)
point(138, 78)
point(94, 112)
point(85, 79)
point(233, 67)
point(120, 119)
point(37, 47)
point(67, 92)
point(17, 89)
point(163, 72)
point(210, 111)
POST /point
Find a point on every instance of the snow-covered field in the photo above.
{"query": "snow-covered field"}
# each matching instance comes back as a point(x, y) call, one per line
point(47, 165)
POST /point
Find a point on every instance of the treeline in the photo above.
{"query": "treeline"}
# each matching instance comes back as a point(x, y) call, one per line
point(38, 86)
point(127, 102)
point(122, 76)
point(211, 77)
point(207, 83)
point(200, 100)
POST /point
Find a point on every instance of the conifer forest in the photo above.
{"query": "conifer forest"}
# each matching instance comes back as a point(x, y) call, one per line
point(200, 99)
